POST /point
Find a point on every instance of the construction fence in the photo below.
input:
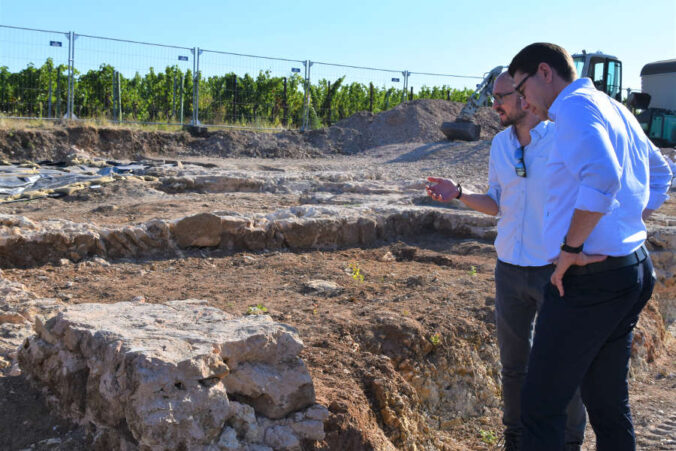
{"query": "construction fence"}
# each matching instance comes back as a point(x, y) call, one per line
point(53, 75)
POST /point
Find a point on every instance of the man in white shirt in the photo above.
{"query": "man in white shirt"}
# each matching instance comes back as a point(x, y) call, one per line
point(603, 178)
point(516, 178)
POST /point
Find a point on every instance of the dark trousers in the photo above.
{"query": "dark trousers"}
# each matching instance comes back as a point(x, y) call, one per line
point(519, 293)
point(584, 339)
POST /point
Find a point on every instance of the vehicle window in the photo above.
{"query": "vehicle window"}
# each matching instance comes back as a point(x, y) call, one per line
point(614, 81)
point(579, 65)
point(597, 75)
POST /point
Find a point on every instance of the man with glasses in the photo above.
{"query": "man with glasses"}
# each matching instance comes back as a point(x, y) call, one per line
point(604, 177)
point(516, 176)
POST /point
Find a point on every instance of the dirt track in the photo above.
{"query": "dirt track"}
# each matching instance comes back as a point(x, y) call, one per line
point(424, 306)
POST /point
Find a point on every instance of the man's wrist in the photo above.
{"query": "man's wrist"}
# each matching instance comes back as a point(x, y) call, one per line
point(565, 247)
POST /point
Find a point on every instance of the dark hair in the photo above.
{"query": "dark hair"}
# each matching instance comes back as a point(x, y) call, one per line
point(530, 57)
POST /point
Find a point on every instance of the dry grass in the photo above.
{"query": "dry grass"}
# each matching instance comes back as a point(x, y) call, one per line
point(42, 124)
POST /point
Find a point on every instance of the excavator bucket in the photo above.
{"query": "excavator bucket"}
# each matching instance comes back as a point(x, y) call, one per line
point(462, 130)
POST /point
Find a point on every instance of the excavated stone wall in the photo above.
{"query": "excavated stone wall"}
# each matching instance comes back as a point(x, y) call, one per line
point(63, 354)
point(25, 243)
point(178, 373)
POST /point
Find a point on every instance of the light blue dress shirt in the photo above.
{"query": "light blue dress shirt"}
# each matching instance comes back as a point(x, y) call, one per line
point(521, 200)
point(603, 162)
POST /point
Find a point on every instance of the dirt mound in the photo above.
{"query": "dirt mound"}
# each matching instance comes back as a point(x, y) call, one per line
point(410, 122)
point(246, 143)
point(416, 121)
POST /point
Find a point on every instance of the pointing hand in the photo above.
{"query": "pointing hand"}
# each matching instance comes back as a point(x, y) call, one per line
point(443, 190)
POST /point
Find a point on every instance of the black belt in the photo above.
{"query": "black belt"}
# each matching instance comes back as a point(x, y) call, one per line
point(610, 263)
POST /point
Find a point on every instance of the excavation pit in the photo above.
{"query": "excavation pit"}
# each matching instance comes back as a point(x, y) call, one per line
point(391, 294)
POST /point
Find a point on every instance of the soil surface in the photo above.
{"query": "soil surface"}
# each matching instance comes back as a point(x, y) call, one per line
point(444, 285)
point(438, 287)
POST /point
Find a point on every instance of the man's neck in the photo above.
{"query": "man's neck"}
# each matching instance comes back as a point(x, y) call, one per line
point(558, 85)
point(523, 127)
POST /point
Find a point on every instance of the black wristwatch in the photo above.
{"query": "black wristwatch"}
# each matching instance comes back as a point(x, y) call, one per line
point(571, 249)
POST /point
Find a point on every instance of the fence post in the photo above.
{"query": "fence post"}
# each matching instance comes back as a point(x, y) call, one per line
point(404, 91)
point(182, 83)
point(71, 58)
point(119, 98)
point(285, 107)
point(371, 97)
point(196, 85)
point(173, 102)
point(328, 113)
point(306, 103)
point(49, 100)
point(113, 109)
point(234, 98)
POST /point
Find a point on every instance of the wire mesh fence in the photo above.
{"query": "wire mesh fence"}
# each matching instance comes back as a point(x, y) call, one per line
point(127, 81)
point(423, 85)
point(49, 74)
point(245, 90)
point(338, 91)
point(33, 73)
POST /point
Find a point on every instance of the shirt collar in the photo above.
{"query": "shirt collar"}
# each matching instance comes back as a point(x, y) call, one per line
point(580, 83)
point(537, 133)
point(540, 131)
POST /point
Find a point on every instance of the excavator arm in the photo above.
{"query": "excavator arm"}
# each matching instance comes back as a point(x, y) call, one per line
point(463, 127)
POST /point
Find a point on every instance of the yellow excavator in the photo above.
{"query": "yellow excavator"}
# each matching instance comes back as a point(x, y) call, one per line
point(463, 127)
point(655, 105)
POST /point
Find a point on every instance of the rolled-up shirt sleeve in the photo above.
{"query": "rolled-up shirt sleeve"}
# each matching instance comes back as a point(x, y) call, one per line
point(494, 189)
point(660, 177)
point(590, 157)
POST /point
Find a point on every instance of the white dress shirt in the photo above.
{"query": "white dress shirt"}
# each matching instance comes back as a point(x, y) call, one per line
point(603, 162)
point(521, 200)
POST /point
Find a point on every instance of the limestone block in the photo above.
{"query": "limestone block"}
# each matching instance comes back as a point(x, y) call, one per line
point(297, 233)
point(201, 230)
point(282, 438)
point(161, 374)
point(349, 232)
point(325, 287)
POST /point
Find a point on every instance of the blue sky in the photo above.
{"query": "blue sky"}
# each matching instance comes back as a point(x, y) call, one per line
point(449, 37)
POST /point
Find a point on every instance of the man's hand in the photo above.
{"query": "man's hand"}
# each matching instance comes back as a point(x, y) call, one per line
point(565, 260)
point(444, 190)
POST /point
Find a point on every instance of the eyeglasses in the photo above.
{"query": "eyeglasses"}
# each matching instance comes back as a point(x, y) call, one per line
point(520, 166)
point(518, 88)
point(499, 99)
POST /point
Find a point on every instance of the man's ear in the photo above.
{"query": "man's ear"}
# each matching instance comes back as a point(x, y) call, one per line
point(546, 71)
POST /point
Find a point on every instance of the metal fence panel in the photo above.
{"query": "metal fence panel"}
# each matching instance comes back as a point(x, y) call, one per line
point(33, 73)
point(128, 81)
point(247, 90)
point(338, 91)
point(423, 85)
point(47, 74)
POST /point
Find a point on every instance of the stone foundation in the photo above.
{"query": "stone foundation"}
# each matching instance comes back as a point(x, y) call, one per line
point(180, 373)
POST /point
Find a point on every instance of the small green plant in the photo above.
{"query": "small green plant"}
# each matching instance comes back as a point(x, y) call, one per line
point(435, 339)
point(356, 272)
point(488, 437)
point(259, 309)
point(472, 270)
